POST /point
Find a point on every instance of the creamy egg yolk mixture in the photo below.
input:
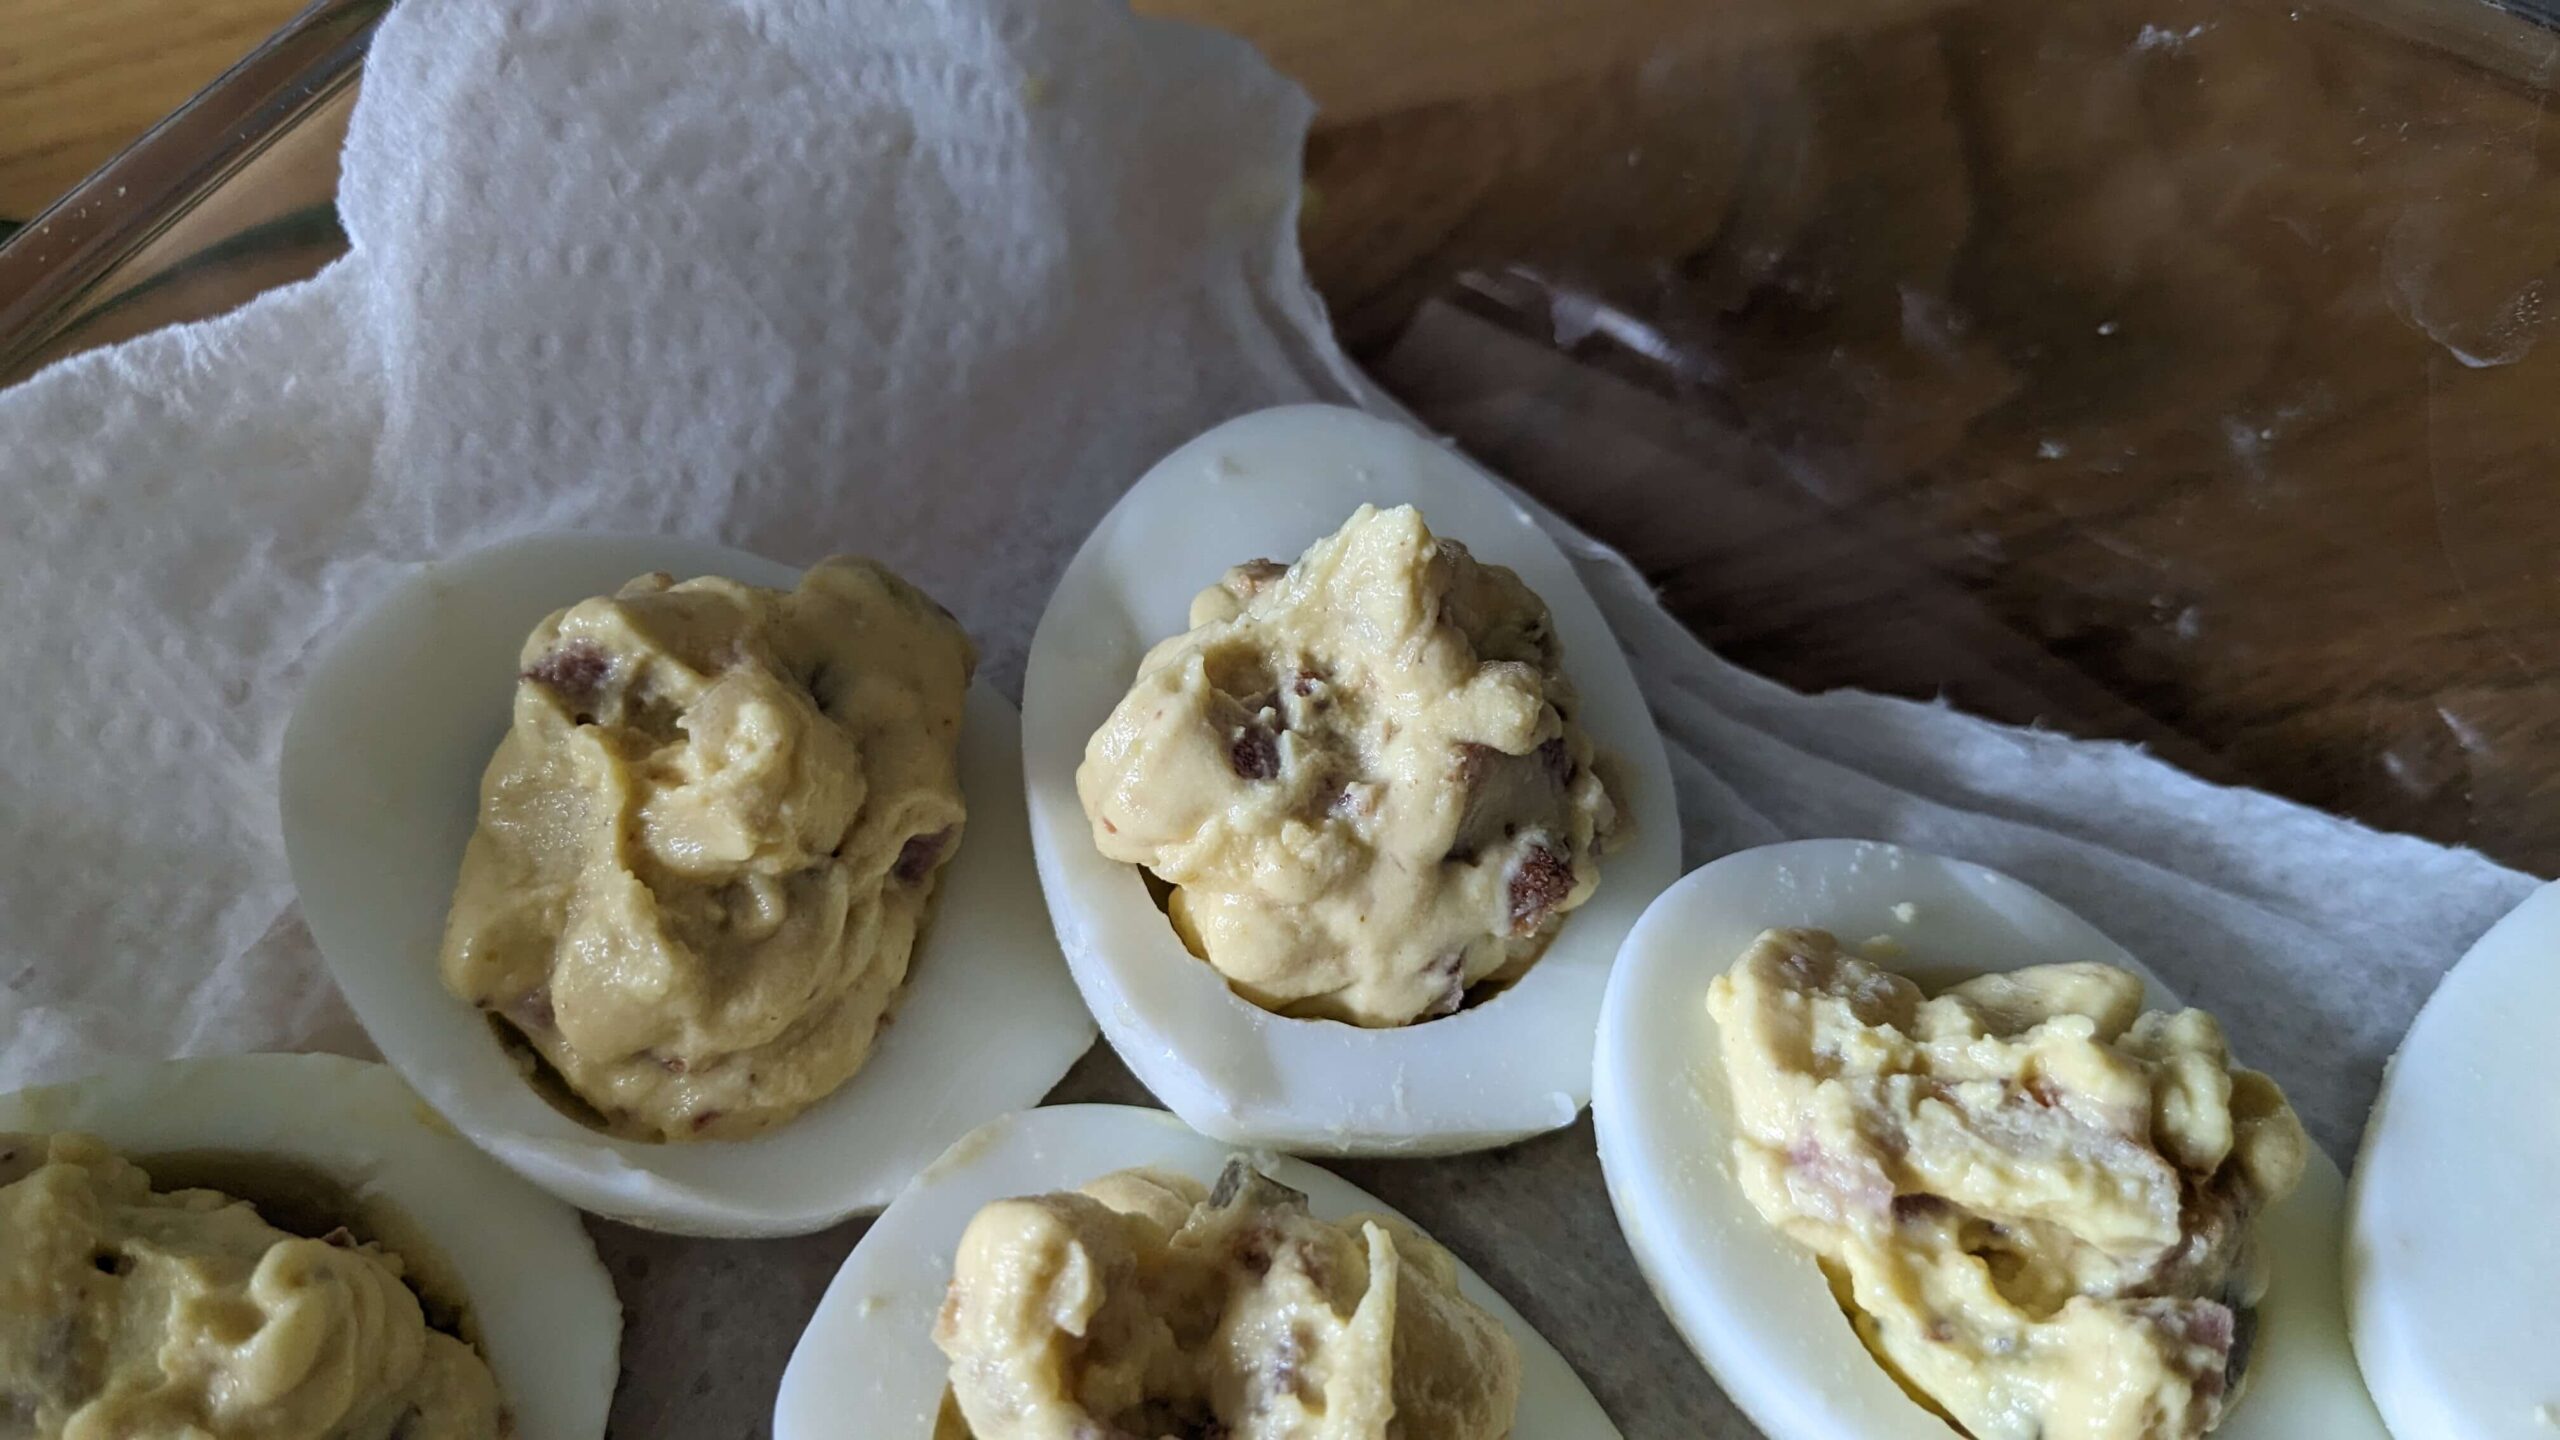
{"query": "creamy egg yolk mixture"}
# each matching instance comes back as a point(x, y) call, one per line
point(709, 838)
point(1362, 773)
point(2035, 1200)
point(125, 1313)
point(1144, 1305)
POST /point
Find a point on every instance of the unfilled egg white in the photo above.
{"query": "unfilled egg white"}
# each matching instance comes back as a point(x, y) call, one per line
point(2453, 1263)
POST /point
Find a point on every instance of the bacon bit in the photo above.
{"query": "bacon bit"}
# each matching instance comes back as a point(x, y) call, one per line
point(1254, 754)
point(574, 672)
point(703, 1118)
point(1540, 881)
point(532, 1010)
point(672, 1064)
point(1311, 1262)
point(1850, 1182)
point(1232, 1178)
point(2044, 1092)
point(920, 854)
point(1253, 1249)
point(1254, 576)
point(1306, 682)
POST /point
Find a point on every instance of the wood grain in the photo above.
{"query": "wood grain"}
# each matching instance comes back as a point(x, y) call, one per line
point(79, 79)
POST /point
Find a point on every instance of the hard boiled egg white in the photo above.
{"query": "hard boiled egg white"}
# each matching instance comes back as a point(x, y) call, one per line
point(1268, 485)
point(540, 1303)
point(2453, 1259)
point(1754, 1305)
point(381, 785)
point(869, 1352)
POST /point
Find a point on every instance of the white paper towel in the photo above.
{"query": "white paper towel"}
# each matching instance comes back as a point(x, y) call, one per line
point(928, 281)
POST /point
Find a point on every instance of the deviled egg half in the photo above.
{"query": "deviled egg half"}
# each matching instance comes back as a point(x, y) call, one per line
point(1342, 791)
point(2043, 1200)
point(1104, 1266)
point(695, 888)
point(285, 1245)
point(2453, 1262)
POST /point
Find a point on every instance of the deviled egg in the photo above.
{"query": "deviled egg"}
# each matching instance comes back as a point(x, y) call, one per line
point(1125, 1225)
point(632, 967)
point(2453, 1262)
point(265, 1245)
point(1755, 999)
point(1340, 845)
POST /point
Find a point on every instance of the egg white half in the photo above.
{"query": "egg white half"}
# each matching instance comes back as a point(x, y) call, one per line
point(1268, 485)
point(1752, 1303)
point(869, 1351)
point(2453, 1260)
point(381, 789)
point(548, 1322)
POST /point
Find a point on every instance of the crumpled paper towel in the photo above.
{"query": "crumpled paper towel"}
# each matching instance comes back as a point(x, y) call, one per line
point(931, 281)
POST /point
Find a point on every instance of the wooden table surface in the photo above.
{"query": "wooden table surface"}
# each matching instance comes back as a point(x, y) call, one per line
point(2160, 369)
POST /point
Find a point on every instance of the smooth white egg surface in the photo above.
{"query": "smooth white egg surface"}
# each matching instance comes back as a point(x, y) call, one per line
point(1268, 485)
point(1751, 1302)
point(2453, 1256)
point(381, 786)
point(869, 1352)
point(543, 1308)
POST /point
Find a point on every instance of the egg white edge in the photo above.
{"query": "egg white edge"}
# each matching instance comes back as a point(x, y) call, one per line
point(869, 1352)
point(378, 804)
point(1269, 484)
point(550, 1326)
point(1753, 1305)
point(2444, 1203)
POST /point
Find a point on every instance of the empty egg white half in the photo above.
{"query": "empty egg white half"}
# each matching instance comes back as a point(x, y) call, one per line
point(1267, 486)
point(2453, 1260)
point(868, 1362)
point(1751, 1302)
point(542, 1307)
point(381, 791)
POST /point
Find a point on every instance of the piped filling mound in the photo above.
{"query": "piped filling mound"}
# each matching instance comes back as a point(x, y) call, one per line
point(130, 1312)
point(709, 839)
point(2035, 1200)
point(1145, 1305)
point(1362, 776)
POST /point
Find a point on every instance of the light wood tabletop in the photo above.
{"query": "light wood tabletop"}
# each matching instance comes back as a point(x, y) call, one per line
point(79, 79)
